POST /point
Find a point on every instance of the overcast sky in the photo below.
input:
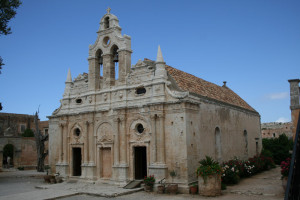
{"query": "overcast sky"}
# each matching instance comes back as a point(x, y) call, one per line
point(254, 45)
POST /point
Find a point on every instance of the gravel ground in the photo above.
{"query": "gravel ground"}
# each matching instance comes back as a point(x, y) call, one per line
point(18, 184)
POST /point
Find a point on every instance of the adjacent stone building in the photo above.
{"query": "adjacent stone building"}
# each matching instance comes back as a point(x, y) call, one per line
point(275, 129)
point(121, 122)
point(295, 102)
point(23, 148)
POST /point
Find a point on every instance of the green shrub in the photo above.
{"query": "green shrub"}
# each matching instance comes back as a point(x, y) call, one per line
point(279, 147)
point(21, 168)
point(28, 133)
point(208, 167)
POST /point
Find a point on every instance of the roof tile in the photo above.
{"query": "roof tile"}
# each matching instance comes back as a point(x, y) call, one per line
point(191, 83)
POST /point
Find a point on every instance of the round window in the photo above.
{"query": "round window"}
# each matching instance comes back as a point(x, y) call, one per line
point(140, 128)
point(106, 41)
point(77, 132)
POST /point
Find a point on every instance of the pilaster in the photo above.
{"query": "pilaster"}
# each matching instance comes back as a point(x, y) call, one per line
point(108, 70)
point(94, 74)
point(120, 168)
point(124, 64)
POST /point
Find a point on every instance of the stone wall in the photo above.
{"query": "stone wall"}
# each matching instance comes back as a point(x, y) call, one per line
point(232, 124)
point(24, 147)
point(274, 129)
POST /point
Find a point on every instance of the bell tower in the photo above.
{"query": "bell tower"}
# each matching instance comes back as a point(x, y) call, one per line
point(111, 54)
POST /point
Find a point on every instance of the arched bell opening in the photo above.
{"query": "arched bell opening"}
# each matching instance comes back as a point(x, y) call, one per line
point(99, 56)
point(115, 57)
point(106, 22)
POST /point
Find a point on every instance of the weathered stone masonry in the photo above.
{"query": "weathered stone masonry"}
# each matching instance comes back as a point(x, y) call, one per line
point(144, 119)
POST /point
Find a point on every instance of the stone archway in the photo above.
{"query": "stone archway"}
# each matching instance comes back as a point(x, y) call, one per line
point(8, 155)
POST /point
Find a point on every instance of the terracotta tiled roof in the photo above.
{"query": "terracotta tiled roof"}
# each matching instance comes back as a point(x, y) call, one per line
point(191, 83)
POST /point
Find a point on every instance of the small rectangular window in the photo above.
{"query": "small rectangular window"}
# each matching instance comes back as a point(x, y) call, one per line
point(22, 128)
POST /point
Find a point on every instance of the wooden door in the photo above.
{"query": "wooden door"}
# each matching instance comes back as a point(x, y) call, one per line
point(106, 163)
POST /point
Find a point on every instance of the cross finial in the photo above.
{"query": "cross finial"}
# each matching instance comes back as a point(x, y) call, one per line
point(108, 10)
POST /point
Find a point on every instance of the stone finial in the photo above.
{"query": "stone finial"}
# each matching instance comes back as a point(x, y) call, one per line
point(159, 57)
point(224, 84)
point(108, 10)
point(69, 77)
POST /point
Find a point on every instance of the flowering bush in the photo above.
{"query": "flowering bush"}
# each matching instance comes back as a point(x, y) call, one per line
point(285, 167)
point(235, 169)
point(249, 169)
point(208, 167)
point(231, 171)
point(267, 162)
point(149, 180)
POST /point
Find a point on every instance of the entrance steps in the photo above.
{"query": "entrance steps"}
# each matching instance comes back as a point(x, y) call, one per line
point(133, 184)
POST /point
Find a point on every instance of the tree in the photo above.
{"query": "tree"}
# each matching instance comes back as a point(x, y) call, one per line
point(28, 133)
point(278, 147)
point(40, 140)
point(7, 12)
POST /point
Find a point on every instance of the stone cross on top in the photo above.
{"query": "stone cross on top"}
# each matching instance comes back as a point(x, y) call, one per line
point(108, 10)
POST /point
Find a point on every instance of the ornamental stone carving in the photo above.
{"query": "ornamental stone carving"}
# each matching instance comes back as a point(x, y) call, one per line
point(105, 133)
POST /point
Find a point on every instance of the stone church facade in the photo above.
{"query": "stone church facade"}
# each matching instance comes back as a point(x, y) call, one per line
point(121, 122)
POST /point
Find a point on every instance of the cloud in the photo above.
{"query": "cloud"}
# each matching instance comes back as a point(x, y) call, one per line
point(275, 96)
point(282, 119)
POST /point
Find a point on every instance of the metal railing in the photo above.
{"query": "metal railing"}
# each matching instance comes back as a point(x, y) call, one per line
point(293, 185)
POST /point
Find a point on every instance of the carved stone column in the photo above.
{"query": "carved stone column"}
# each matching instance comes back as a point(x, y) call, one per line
point(120, 150)
point(159, 167)
point(154, 140)
point(123, 141)
point(161, 139)
point(91, 143)
point(65, 143)
point(88, 166)
point(86, 143)
point(61, 126)
point(62, 166)
point(116, 142)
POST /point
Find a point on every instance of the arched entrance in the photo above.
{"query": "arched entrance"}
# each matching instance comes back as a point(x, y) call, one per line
point(8, 155)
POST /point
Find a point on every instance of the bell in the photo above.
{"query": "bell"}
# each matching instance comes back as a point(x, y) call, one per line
point(116, 58)
point(101, 60)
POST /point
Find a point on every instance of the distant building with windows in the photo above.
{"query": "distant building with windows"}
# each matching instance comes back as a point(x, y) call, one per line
point(21, 150)
point(275, 129)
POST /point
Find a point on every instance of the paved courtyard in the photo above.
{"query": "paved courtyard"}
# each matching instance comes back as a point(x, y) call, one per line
point(23, 185)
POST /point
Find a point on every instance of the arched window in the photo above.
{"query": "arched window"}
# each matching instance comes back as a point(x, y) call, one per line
point(218, 148)
point(77, 132)
point(115, 56)
point(246, 143)
point(106, 22)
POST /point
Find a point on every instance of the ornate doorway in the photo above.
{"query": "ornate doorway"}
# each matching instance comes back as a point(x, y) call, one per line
point(140, 162)
point(76, 161)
